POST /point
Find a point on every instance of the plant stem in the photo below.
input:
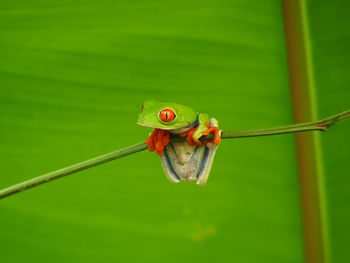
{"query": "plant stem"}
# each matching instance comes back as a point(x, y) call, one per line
point(72, 169)
point(321, 125)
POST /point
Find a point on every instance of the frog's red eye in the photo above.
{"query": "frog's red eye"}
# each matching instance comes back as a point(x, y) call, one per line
point(167, 115)
point(143, 107)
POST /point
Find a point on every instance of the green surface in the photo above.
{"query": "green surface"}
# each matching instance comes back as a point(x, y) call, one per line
point(73, 77)
point(329, 24)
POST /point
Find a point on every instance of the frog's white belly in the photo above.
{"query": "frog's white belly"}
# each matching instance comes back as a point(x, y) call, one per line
point(183, 162)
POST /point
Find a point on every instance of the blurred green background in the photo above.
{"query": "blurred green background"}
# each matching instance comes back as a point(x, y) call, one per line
point(73, 77)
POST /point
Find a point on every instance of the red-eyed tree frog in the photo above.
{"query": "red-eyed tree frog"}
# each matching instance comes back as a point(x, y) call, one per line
point(188, 160)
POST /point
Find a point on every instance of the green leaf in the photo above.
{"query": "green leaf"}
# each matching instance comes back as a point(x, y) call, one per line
point(73, 78)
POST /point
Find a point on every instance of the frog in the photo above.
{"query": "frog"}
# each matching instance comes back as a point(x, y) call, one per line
point(191, 158)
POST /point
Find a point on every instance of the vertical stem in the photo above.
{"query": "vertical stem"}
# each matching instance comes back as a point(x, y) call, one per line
point(308, 150)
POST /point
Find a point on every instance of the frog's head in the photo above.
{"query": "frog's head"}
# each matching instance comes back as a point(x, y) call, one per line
point(166, 116)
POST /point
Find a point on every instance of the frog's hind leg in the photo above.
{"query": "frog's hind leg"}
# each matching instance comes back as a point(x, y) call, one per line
point(211, 148)
point(168, 169)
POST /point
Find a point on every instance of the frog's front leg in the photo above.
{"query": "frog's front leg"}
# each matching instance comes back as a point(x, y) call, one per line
point(204, 128)
point(158, 140)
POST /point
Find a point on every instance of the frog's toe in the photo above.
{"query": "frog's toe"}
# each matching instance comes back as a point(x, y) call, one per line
point(217, 137)
point(158, 140)
point(209, 130)
point(213, 129)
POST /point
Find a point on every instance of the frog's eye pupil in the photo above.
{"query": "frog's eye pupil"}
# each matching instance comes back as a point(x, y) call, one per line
point(167, 115)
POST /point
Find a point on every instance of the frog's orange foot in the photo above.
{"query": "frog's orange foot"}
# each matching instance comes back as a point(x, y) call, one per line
point(189, 136)
point(158, 140)
point(215, 130)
